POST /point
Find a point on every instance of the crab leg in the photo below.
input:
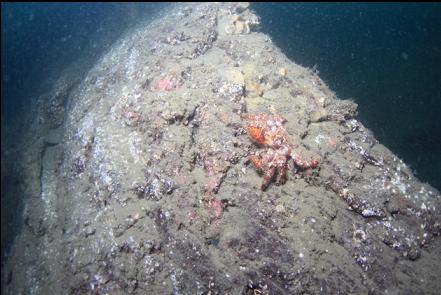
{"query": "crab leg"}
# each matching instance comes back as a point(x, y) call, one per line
point(302, 164)
point(268, 176)
point(281, 174)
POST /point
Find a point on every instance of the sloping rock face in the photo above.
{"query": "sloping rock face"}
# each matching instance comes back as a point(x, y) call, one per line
point(151, 190)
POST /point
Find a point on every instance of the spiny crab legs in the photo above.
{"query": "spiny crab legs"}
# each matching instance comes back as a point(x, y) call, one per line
point(267, 132)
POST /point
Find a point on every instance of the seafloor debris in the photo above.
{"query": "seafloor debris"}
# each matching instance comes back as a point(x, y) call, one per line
point(237, 26)
point(342, 110)
point(240, 24)
point(204, 44)
point(360, 206)
point(268, 132)
point(176, 38)
point(155, 188)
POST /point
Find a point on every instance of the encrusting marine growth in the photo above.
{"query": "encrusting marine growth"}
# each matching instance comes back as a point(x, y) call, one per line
point(267, 131)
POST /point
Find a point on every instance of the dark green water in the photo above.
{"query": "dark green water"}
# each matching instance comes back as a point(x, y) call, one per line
point(386, 57)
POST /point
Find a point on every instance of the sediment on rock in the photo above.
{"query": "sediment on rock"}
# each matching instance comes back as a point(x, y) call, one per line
point(154, 191)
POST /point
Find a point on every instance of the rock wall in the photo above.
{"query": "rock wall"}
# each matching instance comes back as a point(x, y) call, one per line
point(151, 189)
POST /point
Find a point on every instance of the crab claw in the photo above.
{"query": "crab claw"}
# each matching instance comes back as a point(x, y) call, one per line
point(257, 162)
point(256, 135)
point(303, 164)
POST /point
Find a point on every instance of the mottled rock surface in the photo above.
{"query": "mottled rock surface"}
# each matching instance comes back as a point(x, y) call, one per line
point(149, 189)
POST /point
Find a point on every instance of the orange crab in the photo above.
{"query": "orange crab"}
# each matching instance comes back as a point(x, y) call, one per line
point(267, 132)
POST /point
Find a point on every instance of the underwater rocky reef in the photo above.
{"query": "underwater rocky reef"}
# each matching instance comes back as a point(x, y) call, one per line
point(196, 158)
